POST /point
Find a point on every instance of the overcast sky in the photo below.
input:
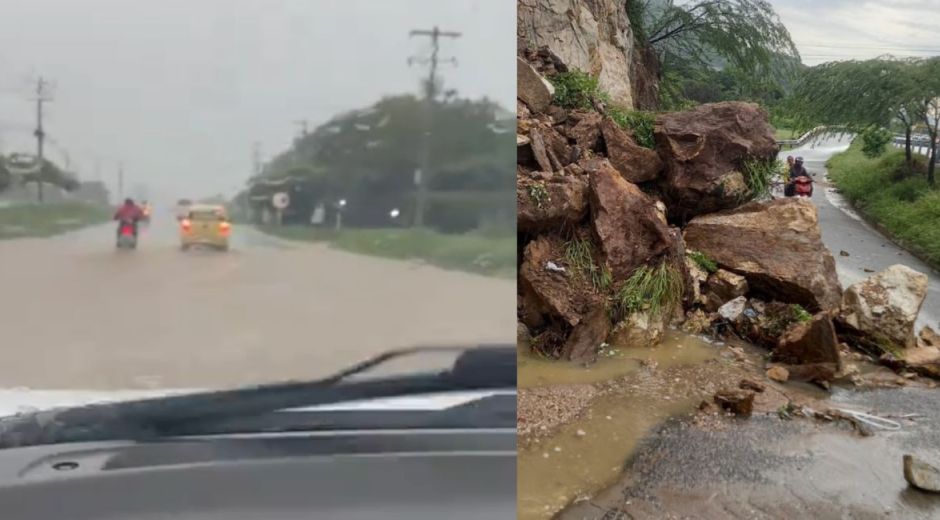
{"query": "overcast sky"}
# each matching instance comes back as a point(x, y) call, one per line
point(829, 30)
point(180, 89)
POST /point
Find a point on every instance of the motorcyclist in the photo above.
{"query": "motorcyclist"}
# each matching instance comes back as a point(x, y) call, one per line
point(799, 171)
point(130, 213)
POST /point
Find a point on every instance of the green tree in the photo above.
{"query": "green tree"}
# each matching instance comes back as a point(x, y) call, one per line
point(695, 40)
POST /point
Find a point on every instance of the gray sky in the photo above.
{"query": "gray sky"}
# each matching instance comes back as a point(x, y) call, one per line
point(180, 89)
point(830, 30)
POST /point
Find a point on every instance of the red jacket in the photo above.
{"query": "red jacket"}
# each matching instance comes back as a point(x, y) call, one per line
point(128, 212)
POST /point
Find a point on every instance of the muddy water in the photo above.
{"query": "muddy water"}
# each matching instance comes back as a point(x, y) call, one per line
point(587, 455)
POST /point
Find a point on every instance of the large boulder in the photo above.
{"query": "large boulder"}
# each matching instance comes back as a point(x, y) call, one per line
point(593, 36)
point(629, 231)
point(534, 90)
point(704, 150)
point(550, 204)
point(635, 163)
point(549, 290)
point(884, 307)
point(777, 246)
point(585, 130)
point(810, 343)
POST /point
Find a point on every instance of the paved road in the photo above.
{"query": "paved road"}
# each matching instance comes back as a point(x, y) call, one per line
point(76, 314)
point(844, 230)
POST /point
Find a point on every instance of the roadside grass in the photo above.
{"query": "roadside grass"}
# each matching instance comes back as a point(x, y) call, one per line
point(783, 134)
point(885, 191)
point(472, 252)
point(44, 220)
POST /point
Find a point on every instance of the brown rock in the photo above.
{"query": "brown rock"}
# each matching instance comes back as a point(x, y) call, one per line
point(551, 293)
point(884, 307)
point(534, 90)
point(739, 402)
point(697, 322)
point(548, 205)
point(587, 131)
point(587, 336)
point(928, 337)
point(778, 373)
point(750, 384)
point(810, 342)
point(704, 150)
point(635, 163)
point(721, 287)
point(625, 222)
point(638, 330)
point(777, 246)
point(540, 151)
point(812, 372)
point(921, 475)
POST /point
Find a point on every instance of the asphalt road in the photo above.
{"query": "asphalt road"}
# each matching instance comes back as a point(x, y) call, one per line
point(844, 230)
point(77, 314)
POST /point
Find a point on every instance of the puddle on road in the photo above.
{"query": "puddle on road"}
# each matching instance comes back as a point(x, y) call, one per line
point(587, 455)
point(677, 348)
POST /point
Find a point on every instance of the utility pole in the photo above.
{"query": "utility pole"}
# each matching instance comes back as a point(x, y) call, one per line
point(422, 174)
point(120, 181)
point(256, 158)
point(42, 95)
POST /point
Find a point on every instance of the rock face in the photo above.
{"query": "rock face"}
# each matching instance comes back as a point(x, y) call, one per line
point(810, 343)
point(534, 90)
point(733, 311)
point(884, 307)
point(549, 204)
point(635, 163)
point(546, 292)
point(721, 287)
point(625, 222)
point(776, 246)
point(593, 36)
point(704, 150)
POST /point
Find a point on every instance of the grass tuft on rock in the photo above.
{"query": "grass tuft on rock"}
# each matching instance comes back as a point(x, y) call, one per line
point(800, 314)
point(655, 289)
point(580, 259)
point(759, 175)
point(703, 261)
point(638, 122)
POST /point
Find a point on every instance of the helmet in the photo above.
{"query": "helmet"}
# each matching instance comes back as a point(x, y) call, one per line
point(799, 160)
point(128, 201)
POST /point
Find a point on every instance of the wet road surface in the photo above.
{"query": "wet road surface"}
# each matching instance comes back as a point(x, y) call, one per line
point(77, 314)
point(844, 230)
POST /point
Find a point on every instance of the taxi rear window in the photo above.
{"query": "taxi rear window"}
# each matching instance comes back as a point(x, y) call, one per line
point(206, 215)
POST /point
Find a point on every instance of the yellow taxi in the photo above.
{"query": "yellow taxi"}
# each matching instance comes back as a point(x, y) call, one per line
point(205, 225)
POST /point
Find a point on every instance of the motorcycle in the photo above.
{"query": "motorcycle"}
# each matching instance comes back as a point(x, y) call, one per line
point(127, 237)
point(803, 187)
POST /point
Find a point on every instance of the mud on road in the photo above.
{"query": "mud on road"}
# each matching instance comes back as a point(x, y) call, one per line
point(77, 314)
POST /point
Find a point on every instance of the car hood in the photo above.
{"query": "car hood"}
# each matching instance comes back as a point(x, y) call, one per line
point(24, 400)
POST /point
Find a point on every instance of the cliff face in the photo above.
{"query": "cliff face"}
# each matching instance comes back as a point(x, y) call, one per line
point(594, 36)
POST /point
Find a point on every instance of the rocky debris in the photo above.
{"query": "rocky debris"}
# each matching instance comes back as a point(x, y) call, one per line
point(928, 337)
point(638, 330)
point(594, 37)
point(810, 343)
point(704, 150)
point(534, 90)
point(923, 358)
point(625, 222)
point(587, 336)
point(733, 311)
point(723, 286)
point(697, 322)
point(843, 252)
point(735, 400)
point(635, 163)
point(543, 409)
point(750, 384)
point(921, 475)
point(586, 130)
point(821, 373)
point(523, 336)
point(697, 279)
point(550, 293)
point(549, 149)
point(543, 205)
point(883, 308)
point(776, 246)
point(778, 373)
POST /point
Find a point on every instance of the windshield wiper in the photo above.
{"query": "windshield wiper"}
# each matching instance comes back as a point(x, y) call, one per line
point(477, 368)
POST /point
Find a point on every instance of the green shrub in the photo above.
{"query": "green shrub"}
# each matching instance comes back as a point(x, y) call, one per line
point(575, 89)
point(875, 141)
point(638, 122)
point(799, 313)
point(758, 175)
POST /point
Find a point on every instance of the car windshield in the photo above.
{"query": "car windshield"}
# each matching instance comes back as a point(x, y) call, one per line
point(358, 155)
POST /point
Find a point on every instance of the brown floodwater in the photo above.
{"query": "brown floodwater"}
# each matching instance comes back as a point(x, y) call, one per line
point(588, 454)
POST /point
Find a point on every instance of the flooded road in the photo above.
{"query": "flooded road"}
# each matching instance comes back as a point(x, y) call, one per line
point(79, 315)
